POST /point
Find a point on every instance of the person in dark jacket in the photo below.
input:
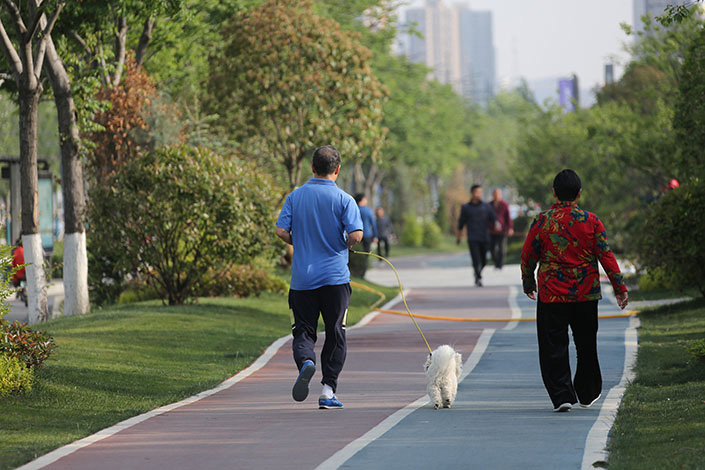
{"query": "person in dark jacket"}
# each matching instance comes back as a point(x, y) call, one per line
point(368, 221)
point(385, 230)
point(477, 217)
point(501, 230)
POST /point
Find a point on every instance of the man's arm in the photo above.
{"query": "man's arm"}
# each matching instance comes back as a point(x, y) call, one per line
point(375, 233)
point(285, 235)
point(354, 238)
point(609, 264)
point(462, 220)
point(530, 254)
point(510, 222)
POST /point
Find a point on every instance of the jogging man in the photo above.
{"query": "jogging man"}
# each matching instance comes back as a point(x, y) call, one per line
point(322, 223)
point(568, 242)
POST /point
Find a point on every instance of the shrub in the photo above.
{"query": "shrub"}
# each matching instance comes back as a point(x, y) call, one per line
point(431, 234)
point(522, 223)
point(170, 215)
point(671, 243)
point(358, 264)
point(20, 341)
point(412, 234)
point(654, 280)
point(241, 281)
point(14, 376)
point(697, 349)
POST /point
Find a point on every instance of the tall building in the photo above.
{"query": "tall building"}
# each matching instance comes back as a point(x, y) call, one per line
point(457, 44)
point(478, 54)
point(652, 7)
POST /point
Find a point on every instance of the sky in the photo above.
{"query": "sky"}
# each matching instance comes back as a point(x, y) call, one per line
point(541, 39)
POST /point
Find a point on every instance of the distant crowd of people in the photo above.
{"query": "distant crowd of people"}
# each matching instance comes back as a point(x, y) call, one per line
point(487, 225)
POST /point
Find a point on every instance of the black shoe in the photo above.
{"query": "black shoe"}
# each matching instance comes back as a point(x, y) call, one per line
point(478, 283)
point(562, 408)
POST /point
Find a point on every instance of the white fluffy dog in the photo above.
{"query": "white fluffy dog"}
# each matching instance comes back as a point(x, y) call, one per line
point(442, 372)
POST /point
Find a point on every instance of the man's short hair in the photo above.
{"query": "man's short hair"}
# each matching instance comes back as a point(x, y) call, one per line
point(474, 187)
point(567, 185)
point(359, 197)
point(325, 160)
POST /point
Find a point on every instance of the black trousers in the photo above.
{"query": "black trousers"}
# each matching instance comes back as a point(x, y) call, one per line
point(330, 302)
point(552, 322)
point(478, 254)
point(384, 240)
point(498, 249)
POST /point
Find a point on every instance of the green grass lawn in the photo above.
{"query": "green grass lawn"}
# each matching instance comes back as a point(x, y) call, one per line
point(661, 422)
point(637, 295)
point(123, 361)
point(447, 245)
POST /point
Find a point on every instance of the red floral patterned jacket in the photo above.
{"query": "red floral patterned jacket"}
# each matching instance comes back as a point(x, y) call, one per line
point(568, 242)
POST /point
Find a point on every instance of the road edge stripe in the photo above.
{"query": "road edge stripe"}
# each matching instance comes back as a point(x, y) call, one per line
point(596, 441)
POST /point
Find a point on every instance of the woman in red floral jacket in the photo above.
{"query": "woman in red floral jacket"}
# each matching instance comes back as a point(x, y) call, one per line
point(567, 242)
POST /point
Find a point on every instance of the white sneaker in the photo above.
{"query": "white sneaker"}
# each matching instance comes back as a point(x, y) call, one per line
point(582, 405)
point(563, 408)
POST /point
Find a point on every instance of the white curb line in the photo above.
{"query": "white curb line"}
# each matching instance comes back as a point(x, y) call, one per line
point(596, 442)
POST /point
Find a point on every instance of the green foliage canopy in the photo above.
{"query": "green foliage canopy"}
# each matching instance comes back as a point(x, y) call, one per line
point(288, 81)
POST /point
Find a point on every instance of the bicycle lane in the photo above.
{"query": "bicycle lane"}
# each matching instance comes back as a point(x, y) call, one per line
point(502, 417)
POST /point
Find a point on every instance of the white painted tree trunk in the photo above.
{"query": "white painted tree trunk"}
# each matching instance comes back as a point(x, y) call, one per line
point(75, 274)
point(36, 293)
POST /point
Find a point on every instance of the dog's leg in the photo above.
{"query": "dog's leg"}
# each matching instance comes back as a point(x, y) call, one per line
point(435, 393)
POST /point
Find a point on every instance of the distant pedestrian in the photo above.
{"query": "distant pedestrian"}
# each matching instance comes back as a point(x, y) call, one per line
point(385, 231)
point(568, 242)
point(501, 230)
point(369, 222)
point(323, 223)
point(18, 264)
point(477, 217)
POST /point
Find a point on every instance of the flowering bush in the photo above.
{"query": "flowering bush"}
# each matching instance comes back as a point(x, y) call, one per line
point(30, 347)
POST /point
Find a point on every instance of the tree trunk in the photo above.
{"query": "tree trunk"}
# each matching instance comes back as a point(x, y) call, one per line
point(32, 242)
point(75, 256)
point(120, 49)
point(145, 39)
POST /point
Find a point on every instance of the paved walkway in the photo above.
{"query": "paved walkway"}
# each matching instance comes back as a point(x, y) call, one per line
point(502, 417)
point(55, 296)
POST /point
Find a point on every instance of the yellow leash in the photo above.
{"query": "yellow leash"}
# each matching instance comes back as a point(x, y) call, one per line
point(401, 291)
point(439, 318)
point(456, 319)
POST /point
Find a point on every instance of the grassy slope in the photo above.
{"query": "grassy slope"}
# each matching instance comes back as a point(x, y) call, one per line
point(661, 422)
point(122, 361)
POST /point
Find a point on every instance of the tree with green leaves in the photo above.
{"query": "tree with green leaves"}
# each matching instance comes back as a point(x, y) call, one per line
point(689, 119)
point(288, 80)
point(25, 52)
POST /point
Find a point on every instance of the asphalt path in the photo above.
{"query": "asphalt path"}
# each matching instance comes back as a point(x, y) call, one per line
point(502, 417)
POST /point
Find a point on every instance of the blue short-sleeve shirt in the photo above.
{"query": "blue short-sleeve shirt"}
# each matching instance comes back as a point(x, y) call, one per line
point(318, 215)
